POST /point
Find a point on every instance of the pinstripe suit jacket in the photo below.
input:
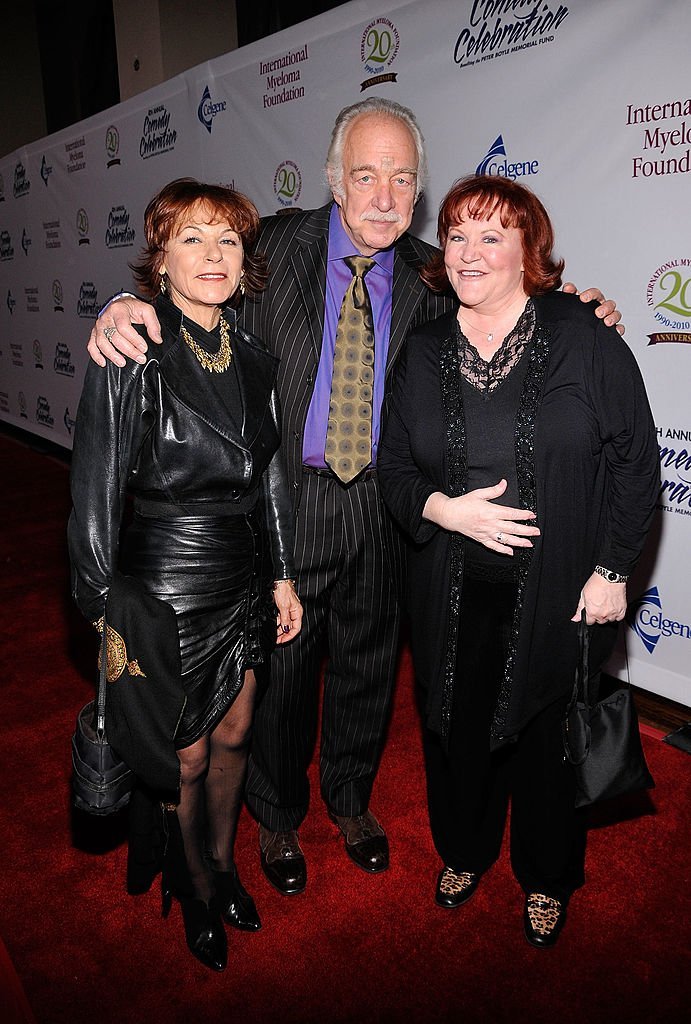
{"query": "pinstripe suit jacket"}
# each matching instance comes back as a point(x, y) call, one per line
point(289, 317)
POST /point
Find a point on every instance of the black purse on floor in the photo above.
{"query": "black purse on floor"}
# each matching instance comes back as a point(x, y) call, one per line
point(101, 781)
point(602, 740)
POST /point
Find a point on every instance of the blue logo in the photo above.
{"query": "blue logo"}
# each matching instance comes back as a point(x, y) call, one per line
point(646, 619)
point(207, 110)
point(46, 171)
point(492, 163)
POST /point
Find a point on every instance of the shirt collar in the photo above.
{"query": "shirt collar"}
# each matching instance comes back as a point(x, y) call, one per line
point(340, 245)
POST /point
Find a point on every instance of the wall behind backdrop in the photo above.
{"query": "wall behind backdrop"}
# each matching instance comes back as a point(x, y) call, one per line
point(585, 101)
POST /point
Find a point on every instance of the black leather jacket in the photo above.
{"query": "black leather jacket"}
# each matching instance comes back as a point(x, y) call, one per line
point(160, 431)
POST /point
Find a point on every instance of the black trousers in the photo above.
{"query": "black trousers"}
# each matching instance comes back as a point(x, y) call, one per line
point(349, 599)
point(469, 787)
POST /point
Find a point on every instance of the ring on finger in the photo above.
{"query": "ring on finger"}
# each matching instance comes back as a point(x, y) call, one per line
point(109, 332)
point(500, 538)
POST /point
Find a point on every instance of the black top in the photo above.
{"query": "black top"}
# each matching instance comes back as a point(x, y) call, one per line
point(491, 393)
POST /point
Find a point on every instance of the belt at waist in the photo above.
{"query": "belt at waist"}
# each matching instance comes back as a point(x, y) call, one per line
point(171, 510)
point(367, 474)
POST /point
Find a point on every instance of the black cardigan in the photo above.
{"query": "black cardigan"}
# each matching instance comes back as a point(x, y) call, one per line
point(161, 431)
point(587, 463)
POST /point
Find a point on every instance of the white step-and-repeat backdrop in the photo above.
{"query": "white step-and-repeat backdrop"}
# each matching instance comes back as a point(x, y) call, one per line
point(585, 101)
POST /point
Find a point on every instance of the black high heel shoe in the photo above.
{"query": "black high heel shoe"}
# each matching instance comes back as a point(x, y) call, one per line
point(237, 906)
point(204, 931)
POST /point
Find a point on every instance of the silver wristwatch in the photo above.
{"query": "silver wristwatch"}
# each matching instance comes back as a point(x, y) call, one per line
point(611, 577)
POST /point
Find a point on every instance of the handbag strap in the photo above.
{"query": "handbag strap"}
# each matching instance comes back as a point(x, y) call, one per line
point(581, 676)
point(100, 724)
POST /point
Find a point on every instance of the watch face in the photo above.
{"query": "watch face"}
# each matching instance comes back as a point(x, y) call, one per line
point(612, 577)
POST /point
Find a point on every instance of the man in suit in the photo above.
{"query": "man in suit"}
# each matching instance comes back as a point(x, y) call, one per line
point(347, 552)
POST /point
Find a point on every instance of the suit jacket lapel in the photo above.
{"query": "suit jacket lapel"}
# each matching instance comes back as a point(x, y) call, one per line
point(408, 293)
point(309, 266)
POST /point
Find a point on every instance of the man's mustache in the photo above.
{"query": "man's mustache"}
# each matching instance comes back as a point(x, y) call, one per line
point(391, 216)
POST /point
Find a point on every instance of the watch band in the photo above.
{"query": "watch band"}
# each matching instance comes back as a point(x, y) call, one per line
point(609, 575)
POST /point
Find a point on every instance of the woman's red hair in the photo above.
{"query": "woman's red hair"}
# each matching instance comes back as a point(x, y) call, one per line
point(479, 196)
point(171, 206)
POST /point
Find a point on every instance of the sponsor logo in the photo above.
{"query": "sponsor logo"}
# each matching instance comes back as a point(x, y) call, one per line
point(17, 353)
point(26, 242)
point(119, 234)
point(6, 247)
point(496, 28)
point(379, 48)
point(287, 184)
point(157, 135)
point(665, 138)
point(208, 110)
point(87, 303)
point(52, 230)
point(43, 413)
point(68, 421)
point(74, 151)
point(669, 298)
point(11, 302)
point(495, 162)
point(22, 185)
point(647, 620)
point(63, 360)
point(46, 170)
point(21, 402)
point(83, 227)
point(283, 78)
point(4, 401)
point(31, 295)
point(675, 471)
point(57, 297)
point(38, 354)
point(112, 146)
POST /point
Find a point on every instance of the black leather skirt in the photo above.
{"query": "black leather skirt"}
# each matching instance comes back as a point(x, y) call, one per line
point(214, 570)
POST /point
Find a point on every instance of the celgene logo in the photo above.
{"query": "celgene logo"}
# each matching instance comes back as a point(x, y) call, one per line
point(46, 171)
point(646, 619)
point(207, 110)
point(493, 164)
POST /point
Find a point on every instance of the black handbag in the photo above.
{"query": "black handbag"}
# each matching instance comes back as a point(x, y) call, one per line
point(601, 737)
point(101, 781)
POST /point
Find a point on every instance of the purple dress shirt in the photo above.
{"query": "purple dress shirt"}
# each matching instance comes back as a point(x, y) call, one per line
point(379, 281)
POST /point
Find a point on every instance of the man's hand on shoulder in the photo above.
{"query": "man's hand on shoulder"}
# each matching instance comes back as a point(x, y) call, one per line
point(607, 310)
point(113, 336)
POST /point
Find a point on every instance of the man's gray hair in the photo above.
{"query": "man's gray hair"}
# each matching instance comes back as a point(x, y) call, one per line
point(384, 108)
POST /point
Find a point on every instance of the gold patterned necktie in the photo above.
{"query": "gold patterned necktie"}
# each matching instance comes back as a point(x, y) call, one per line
point(349, 433)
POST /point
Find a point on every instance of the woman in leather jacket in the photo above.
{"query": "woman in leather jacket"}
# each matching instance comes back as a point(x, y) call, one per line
point(193, 433)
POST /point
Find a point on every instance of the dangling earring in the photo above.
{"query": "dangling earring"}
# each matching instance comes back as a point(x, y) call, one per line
point(242, 283)
point(163, 283)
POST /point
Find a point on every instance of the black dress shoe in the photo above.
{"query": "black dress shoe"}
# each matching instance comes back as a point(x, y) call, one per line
point(365, 841)
point(283, 860)
point(454, 888)
point(543, 919)
point(237, 906)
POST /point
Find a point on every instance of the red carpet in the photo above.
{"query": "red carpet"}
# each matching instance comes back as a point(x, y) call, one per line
point(352, 947)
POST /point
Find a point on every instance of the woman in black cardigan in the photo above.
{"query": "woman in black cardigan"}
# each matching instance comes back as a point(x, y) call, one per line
point(520, 456)
point(193, 433)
